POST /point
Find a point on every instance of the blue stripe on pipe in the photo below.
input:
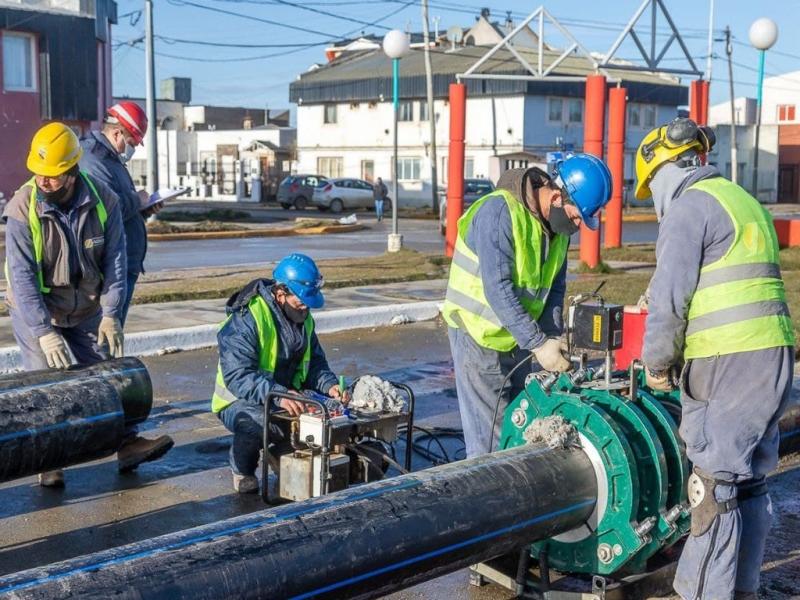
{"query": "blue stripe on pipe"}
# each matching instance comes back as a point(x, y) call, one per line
point(34, 431)
point(41, 386)
point(440, 551)
point(204, 538)
point(791, 433)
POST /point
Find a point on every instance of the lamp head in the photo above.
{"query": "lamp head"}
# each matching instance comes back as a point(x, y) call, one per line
point(763, 33)
point(396, 44)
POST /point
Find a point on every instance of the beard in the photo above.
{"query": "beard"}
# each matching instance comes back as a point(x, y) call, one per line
point(295, 315)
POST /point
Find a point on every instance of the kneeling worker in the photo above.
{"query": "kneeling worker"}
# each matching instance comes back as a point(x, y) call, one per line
point(65, 267)
point(268, 344)
point(507, 283)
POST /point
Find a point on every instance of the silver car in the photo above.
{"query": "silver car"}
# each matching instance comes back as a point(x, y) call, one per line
point(474, 189)
point(344, 193)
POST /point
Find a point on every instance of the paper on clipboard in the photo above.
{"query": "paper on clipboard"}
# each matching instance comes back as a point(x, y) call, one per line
point(163, 195)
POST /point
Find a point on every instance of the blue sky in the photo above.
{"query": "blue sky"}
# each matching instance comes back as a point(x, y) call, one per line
point(259, 73)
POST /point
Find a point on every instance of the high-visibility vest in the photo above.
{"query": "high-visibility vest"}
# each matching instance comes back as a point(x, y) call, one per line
point(465, 304)
point(267, 352)
point(37, 237)
point(739, 304)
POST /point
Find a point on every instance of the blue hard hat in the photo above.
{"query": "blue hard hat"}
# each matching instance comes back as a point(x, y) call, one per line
point(586, 181)
point(300, 274)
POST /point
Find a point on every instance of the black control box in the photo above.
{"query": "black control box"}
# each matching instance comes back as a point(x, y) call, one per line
point(597, 326)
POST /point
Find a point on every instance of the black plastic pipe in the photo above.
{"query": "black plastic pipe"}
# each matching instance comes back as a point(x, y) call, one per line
point(363, 542)
point(56, 418)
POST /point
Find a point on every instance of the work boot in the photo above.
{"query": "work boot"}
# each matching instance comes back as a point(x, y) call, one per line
point(137, 450)
point(52, 479)
point(245, 484)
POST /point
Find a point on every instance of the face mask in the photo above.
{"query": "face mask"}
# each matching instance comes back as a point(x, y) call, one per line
point(128, 153)
point(560, 222)
point(295, 315)
point(54, 197)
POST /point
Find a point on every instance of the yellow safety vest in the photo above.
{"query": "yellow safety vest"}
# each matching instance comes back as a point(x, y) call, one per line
point(37, 237)
point(465, 304)
point(267, 352)
point(739, 304)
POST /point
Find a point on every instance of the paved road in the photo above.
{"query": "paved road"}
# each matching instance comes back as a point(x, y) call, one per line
point(418, 234)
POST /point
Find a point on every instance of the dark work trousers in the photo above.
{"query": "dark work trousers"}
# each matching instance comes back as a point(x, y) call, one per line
point(246, 422)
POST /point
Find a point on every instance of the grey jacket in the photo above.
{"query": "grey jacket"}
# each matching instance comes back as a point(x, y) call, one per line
point(102, 162)
point(238, 350)
point(83, 264)
point(490, 237)
point(694, 231)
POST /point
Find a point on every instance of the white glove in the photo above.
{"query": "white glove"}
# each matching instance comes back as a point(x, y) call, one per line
point(110, 331)
point(550, 357)
point(55, 350)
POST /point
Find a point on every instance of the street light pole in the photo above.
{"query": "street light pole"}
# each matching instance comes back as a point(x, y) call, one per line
point(763, 34)
point(734, 159)
point(150, 100)
point(396, 46)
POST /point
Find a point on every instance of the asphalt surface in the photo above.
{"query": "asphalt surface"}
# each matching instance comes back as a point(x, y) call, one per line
point(191, 486)
point(417, 234)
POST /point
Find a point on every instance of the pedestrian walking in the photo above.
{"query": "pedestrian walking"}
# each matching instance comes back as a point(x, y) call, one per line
point(380, 193)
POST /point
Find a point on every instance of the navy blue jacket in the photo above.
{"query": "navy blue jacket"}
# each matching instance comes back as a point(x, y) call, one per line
point(103, 164)
point(238, 350)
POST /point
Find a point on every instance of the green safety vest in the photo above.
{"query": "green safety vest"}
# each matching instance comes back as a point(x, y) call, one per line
point(465, 304)
point(739, 304)
point(37, 237)
point(267, 352)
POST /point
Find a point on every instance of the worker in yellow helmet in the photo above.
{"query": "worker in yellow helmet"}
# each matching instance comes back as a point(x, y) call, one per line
point(65, 268)
point(717, 306)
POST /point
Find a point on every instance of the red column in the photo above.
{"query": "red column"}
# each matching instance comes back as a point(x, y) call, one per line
point(698, 104)
point(593, 127)
point(455, 163)
point(617, 99)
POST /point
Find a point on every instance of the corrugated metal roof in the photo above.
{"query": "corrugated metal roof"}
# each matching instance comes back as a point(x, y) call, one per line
point(366, 75)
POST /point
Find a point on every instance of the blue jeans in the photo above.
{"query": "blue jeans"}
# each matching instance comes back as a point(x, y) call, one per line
point(246, 422)
point(379, 209)
point(130, 285)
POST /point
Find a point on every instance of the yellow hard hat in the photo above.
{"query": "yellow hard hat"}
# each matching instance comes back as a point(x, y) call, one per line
point(667, 143)
point(55, 149)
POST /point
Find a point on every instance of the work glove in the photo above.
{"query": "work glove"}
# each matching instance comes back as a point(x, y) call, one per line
point(110, 331)
point(550, 357)
point(55, 350)
point(658, 380)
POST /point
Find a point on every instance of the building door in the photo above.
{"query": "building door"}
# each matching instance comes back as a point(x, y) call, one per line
point(787, 183)
point(368, 170)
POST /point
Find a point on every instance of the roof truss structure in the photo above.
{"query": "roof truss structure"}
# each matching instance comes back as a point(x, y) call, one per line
point(652, 58)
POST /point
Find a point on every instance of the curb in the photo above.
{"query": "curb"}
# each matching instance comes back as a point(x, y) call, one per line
point(252, 233)
point(149, 343)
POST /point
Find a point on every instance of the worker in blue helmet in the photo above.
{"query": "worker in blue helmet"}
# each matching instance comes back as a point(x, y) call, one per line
point(507, 283)
point(267, 344)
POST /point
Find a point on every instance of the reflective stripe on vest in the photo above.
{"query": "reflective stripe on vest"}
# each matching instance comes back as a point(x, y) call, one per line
point(465, 303)
point(37, 236)
point(739, 304)
point(267, 352)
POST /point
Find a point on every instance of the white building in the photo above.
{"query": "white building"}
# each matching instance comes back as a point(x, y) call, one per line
point(345, 114)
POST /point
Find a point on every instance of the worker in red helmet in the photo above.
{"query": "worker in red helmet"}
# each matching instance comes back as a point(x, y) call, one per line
point(105, 155)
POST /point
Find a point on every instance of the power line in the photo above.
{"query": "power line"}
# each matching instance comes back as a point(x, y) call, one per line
point(326, 13)
point(172, 40)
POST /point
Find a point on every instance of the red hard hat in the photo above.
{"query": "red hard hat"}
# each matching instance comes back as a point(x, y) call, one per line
point(132, 117)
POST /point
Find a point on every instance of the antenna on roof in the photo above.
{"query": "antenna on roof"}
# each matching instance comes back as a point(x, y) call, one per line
point(454, 35)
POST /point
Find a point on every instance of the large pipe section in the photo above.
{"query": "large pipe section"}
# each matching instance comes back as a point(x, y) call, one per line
point(455, 163)
point(363, 542)
point(56, 418)
point(594, 125)
point(617, 100)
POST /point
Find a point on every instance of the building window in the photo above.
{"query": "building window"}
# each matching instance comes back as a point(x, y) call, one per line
point(575, 110)
point(555, 110)
point(368, 170)
point(786, 112)
point(408, 169)
point(423, 110)
point(330, 166)
point(518, 163)
point(649, 116)
point(634, 115)
point(444, 169)
point(405, 111)
point(19, 62)
point(469, 168)
point(330, 113)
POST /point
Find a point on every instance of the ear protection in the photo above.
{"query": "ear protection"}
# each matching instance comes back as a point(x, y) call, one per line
point(680, 132)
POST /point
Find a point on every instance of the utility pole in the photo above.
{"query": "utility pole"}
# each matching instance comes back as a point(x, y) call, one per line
point(431, 114)
point(150, 108)
point(729, 52)
point(709, 60)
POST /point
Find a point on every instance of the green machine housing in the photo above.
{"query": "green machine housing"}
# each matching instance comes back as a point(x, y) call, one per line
point(630, 434)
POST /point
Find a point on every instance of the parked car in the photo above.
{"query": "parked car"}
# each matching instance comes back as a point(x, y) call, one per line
point(474, 189)
point(297, 190)
point(345, 194)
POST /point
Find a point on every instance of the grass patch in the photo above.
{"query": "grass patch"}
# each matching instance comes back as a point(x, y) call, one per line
point(645, 253)
point(790, 259)
point(200, 227)
point(214, 214)
point(600, 269)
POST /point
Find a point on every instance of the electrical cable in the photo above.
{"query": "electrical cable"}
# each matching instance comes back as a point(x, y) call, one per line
point(500, 397)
